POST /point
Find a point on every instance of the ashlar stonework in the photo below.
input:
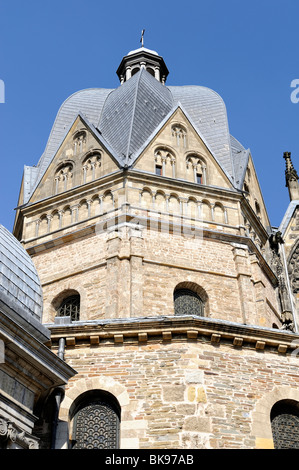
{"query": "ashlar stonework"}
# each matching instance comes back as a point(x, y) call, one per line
point(141, 199)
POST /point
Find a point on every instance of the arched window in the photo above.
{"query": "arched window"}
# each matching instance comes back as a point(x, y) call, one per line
point(96, 421)
point(179, 133)
point(196, 169)
point(164, 162)
point(135, 70)
point(63, 177)
point(91, 167)
point(187, 302)
point(79, 142)
point(70, 307)
point(285, 424)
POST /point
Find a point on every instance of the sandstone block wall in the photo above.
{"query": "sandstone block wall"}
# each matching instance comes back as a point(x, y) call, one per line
point(186, 394)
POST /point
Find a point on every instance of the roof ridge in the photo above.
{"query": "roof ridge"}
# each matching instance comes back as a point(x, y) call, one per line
point(133, 116)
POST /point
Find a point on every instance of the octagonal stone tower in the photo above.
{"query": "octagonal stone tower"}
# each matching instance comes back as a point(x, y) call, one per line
point(160, 270)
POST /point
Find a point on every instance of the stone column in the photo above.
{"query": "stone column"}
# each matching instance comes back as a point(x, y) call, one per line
point(136, 272)
point(244, 283)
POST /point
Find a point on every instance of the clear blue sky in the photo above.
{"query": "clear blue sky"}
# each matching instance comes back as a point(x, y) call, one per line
point(247, 51)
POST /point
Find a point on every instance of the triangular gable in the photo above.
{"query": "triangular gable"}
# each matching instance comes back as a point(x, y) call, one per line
point(288, 216)
point(135, 159)
point(251, 185)
point(41, 188)
point(31, 177)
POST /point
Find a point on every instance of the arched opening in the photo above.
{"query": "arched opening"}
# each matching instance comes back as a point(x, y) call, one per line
point(95, 421)
point(189, 299)
point(134, 71)
point(91, 166)
point(63, 177)
point(285, 424)
point(150, 71)
point(67, 304)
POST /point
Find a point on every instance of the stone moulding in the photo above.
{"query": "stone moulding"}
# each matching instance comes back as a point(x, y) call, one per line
point(177, 329)
point(12, 436)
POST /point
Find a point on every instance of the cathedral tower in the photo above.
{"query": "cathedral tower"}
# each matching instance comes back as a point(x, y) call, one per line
point(160, 271)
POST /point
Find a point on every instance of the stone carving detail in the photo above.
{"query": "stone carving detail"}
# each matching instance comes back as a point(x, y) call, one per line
point(91, 166)
point(293, 269)
point(63, 177)
point(10, 434)
point(276, 264)
point(79, 142)
point(180, 135)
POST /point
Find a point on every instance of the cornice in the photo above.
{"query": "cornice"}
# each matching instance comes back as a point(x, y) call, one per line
point(127, 217)
point(72, 193)
point(174, 329)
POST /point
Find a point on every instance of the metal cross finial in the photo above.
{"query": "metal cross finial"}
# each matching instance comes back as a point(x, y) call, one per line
point(142, 35)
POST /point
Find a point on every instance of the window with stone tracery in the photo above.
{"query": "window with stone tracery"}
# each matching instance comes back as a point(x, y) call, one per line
point(79, 142)
point(90, 167)
point(165, 162)
point(96, 422)
point(179, 135)
point(196, 169)
point(63, 177)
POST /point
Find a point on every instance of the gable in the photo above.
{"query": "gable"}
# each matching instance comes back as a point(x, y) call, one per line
point(290, 227)
point(80, 159)
point(182, 154)
point(253, 193)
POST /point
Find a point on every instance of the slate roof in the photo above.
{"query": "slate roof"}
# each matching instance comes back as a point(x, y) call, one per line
point(127, 116)
point(20, 288)
point(240, 158)
point(133, 111)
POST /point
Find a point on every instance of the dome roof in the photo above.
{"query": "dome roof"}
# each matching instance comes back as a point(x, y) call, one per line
point(126, 117)
point(20, 288)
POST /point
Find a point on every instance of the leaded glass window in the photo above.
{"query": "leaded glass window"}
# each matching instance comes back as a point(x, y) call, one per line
point(96, 426)
point(187, 302)
point(70, 307)
point(285, 424)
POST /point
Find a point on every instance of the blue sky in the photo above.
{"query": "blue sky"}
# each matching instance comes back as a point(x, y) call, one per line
point(246, 51)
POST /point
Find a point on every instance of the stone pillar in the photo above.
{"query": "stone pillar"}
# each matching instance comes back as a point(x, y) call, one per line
point(260, 293)
point(112, 277)
point(244, 278)
point(136, 271)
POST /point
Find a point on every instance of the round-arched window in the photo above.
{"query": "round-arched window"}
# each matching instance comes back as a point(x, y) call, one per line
point(187, 302)
point(285, 424)
point(96, 421)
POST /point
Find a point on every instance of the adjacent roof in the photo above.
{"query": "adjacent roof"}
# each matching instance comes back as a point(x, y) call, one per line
point(288, 216)
point(20, 289)
point(127, 116)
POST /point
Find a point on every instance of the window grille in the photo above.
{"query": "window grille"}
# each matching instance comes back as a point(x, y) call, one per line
point(96, 426)
point(187, 302)
point(70, 307)
point(285, 425)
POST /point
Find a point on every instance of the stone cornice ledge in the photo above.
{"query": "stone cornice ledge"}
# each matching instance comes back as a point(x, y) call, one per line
point(174, 328)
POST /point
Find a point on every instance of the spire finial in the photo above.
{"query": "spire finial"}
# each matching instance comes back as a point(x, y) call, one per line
point(291, 177)
point(290, 172)
point(142, 36)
